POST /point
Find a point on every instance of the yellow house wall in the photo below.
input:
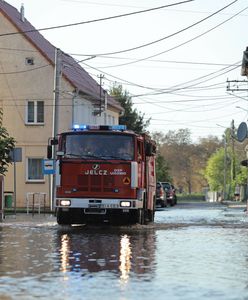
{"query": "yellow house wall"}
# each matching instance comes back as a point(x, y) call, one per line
point(20, 82)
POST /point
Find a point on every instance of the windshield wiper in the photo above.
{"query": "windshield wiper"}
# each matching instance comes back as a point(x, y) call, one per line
point(72, 154)
point(84, 156)
point(93, 156)
point(116, 157)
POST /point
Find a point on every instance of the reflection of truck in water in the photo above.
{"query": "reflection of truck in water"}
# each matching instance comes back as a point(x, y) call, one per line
point(121, 253)
point(104, 174)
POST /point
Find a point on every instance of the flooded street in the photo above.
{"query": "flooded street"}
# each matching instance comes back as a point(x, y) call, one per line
point(192, 251)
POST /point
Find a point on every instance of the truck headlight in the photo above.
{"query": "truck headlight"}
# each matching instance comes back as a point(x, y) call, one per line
point(65, 202)
point(125, 204)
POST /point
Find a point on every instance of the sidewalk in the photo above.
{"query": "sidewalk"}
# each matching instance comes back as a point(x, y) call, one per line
point(29, 218)
point(234, 204)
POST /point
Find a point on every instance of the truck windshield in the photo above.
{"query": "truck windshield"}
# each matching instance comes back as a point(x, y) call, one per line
point(102, 146)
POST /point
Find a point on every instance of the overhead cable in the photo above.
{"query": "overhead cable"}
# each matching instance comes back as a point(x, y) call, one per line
point(179, 45)
point(170, 35)
point(98, 20)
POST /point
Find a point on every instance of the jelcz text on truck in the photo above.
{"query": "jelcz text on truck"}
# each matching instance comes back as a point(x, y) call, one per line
point(104, 174)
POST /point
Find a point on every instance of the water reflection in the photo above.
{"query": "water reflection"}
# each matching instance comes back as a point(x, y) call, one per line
point(120, 253)
point(64, 251)
point(125, 258)
point(45, 261)
point(26, 251)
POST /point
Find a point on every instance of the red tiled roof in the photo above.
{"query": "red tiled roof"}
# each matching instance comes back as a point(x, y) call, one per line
point(76, 75)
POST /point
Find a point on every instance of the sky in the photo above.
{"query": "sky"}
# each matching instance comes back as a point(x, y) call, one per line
point(175, 61)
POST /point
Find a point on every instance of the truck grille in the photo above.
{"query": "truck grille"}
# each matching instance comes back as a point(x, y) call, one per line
point(96, 183)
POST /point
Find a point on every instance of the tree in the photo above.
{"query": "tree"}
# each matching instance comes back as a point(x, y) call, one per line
point(7, 144)
point(214, 171)
point(186, 160)
point(133, 119)
point(178, 150)
point(162, 169)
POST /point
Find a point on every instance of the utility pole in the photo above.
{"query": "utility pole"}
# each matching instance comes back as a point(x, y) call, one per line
point(236, 87)
point(57, 77)
point(233, 171)
point(74, 99)
point(101, 76)
point(225, 155)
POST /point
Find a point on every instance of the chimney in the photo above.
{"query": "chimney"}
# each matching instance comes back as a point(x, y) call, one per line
point(22, 13)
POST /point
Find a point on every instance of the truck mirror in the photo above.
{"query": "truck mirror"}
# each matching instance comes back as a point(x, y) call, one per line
point(60, 153)
point(149, 149)
point(54, 142)
point(49, 151)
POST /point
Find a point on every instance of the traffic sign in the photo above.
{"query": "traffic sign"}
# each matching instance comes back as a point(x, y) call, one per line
point(48, 166)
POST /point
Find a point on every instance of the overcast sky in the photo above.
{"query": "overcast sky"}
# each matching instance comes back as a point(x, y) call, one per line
point(174, 61)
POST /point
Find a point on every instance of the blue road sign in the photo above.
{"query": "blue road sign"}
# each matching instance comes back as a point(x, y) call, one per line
point(48, 166)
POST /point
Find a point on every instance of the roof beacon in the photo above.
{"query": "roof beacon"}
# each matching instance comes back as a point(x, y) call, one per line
point(78, 127)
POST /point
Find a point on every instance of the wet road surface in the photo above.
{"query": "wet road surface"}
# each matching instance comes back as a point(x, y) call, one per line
point(192, 251)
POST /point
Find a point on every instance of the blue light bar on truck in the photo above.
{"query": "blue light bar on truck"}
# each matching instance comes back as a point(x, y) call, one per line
point(78, 127)
point(119, 127)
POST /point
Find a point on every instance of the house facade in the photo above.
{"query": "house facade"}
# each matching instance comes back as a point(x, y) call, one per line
point(27, 83)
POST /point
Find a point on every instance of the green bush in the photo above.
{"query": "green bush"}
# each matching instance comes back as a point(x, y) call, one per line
point(190, 197)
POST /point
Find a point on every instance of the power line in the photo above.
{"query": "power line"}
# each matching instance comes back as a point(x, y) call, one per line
point(200, 108)
point(179, 45)
point(170, 35)
point(181, 87)
point(155, 60)
point(193, 121)
point(184, 100)
point(174, 88)
point(124, 58)
point(97, 20)
point(24, 71)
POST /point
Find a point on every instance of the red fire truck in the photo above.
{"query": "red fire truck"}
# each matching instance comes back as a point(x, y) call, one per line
point(104, 174)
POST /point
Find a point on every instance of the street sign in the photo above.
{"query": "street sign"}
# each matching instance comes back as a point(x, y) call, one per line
point(48, 166)
point(16, 154)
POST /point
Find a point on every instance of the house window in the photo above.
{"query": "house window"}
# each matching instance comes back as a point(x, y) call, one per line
point(35, 112)
point(34, 169)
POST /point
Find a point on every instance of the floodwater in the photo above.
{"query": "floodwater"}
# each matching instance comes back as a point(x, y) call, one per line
point(190, 252)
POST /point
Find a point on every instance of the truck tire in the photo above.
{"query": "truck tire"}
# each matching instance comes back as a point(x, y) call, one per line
point(139, 216)
point(151, 213)
point(63, 217)
point(164, 203)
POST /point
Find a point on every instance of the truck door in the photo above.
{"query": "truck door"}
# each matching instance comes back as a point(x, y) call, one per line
point(141, 164)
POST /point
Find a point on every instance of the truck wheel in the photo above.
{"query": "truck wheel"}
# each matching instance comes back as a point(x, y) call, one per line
point(151, 215)
point(140, 216)
point(63, 217)
point(164, 203)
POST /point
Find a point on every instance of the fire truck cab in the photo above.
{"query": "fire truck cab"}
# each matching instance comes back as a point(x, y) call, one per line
point(104, 174)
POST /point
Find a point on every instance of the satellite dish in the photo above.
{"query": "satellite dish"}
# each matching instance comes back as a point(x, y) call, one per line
point(244, 163)
point(242, 132)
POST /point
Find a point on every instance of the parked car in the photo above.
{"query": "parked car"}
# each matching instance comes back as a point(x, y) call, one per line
point(161, 198)
point(170, 191)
